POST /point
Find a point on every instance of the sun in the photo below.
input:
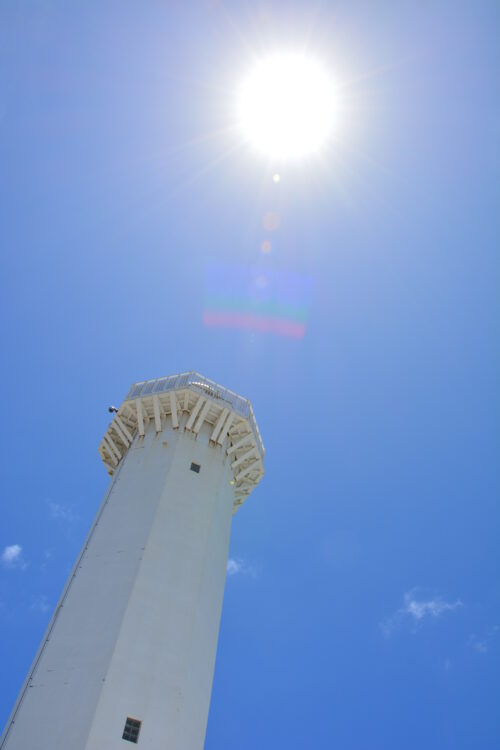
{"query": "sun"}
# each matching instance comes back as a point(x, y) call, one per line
point(287, 106)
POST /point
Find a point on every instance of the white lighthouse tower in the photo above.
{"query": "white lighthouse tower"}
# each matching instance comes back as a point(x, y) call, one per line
point(129, 654)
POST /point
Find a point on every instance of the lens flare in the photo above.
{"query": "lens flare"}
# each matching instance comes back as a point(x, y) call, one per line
point(287, 106)
point(256, 298)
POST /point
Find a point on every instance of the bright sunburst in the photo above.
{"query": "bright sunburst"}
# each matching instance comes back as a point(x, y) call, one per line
point(287, 106)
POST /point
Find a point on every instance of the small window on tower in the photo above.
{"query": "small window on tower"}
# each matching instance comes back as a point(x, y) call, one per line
point(195, 467)
point(132, 729)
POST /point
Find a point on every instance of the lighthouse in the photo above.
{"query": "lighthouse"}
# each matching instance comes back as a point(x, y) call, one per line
point(129, 654)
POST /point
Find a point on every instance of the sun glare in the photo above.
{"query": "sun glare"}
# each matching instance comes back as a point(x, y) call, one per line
point(286, 106)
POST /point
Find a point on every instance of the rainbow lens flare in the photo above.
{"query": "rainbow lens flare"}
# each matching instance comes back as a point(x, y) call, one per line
point(257, 298)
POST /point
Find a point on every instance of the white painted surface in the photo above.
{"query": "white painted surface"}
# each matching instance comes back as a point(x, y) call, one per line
point(135, 633)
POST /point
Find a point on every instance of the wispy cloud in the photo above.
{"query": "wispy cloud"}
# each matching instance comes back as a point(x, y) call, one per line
point(64, 514)
point(47, 557)
point(482, 644)
point(237, 566)
point(12, 557)
point(40, 604)
point(479, 644)
point(416, 609)
point(430, 607)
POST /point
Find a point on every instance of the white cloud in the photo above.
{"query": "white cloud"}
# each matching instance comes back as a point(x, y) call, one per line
point(415, 610)
point(40, 604)
point(62, 513)
point(233, 567)
point(479, 645)
point(237, 566)
point(482, 644)
point(430, 607)
point(12, 557)
point(47, 557)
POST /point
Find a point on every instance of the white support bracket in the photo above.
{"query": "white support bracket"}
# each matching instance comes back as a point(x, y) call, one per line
point(248, 470)
point(145, 413)
point(123, 428)
point(194, 413)
point(114, 454)
point(246, 440)
point(225, 429)
point(218, 426)
point(140, 417)
point(116, 427)
point(173, 409)
point(201, 418)
point(156, 409)
point(114, 448)
point(249, 454)
point(128, 415)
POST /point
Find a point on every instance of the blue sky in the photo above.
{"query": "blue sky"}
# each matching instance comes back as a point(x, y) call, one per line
point(362, 606)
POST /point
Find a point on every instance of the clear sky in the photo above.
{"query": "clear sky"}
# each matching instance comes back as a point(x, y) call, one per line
point(362, 606)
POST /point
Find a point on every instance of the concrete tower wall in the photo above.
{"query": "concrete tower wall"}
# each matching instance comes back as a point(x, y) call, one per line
point(135, 632)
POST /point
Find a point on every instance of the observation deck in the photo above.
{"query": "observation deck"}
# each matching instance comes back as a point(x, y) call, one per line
point(190, 401)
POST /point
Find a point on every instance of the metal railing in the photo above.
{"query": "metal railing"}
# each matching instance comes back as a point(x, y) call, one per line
point(204, 386)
